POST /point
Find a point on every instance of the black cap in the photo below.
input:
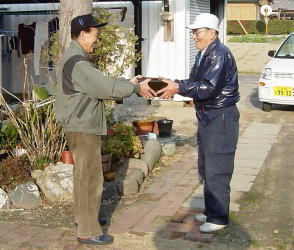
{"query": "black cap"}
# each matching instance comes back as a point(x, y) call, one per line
point(84, 21)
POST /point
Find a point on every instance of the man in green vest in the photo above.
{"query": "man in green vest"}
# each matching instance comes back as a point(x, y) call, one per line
point(81, 89)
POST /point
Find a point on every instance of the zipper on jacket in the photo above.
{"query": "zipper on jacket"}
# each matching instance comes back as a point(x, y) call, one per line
point(84, 107)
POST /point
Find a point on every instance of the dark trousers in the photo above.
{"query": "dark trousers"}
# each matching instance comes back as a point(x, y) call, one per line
point(87, 180)
point(216, 152)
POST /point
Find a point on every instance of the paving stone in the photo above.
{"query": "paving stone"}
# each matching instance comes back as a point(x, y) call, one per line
point(130, 217)
point(72, 247)
point(39, 242)
point(6, 227)
point(180, 227)
point(194, 203)
point(241, 186)
point(155, 225)
point(196, 235)
point(166, 234)
point(243, 178)
point(235, 207)
point(179, 216)
point(52, 234)
point(192, 211)
point(247, 163)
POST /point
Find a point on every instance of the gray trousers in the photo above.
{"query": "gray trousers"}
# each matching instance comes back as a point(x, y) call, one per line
point(216, 152)
point(87, 180)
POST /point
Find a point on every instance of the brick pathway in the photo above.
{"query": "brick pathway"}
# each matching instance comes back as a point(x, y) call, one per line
point(160, 201)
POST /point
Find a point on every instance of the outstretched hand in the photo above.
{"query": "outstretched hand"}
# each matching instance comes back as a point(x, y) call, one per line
point(146, 91)
point(169, 91)
point(135, 79)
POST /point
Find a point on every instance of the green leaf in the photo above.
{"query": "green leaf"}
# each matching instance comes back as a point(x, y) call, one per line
point(41, 93)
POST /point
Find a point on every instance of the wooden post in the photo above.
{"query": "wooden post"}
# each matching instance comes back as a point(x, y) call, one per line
point(242, 27)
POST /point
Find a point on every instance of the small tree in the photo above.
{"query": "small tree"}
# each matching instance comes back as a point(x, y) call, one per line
point(115, 52)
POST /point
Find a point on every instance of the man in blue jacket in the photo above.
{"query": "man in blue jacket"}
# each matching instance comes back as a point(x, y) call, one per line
point(213, 85)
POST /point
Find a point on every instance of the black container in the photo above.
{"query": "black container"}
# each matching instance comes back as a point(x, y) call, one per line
point(155, 83)
point(165, 127)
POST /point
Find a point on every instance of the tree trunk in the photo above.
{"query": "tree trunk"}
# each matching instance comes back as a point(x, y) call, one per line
point(68, 10)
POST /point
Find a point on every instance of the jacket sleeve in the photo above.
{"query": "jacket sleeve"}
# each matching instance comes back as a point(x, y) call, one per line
point(89, 80)
point(212, 83)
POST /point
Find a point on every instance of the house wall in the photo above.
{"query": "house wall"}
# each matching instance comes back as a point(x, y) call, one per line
point(242, 11)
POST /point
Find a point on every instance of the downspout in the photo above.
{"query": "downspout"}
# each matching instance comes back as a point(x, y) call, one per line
point(138, 32)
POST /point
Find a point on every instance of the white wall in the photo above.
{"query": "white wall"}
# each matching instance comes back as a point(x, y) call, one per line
point(161, 58)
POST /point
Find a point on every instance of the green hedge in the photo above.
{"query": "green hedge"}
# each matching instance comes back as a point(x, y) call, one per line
point(275, 27)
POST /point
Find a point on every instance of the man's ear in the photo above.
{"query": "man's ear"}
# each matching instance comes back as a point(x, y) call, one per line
point(82, 35)
point(212, 34)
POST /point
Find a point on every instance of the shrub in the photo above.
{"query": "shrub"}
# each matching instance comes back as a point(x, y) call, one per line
point(39, 132)
point(8, 136)
point(121, 141)
point(14, 171)
point(115, 52)
point(275, 27)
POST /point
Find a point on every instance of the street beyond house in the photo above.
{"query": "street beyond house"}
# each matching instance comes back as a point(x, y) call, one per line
point(262, 198)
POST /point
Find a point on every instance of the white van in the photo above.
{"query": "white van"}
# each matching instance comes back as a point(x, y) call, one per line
point(276, 83)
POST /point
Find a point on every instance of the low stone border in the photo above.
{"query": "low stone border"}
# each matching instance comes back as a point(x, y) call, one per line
point(56, 181)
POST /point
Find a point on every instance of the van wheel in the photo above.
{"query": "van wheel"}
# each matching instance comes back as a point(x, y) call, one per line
point(267, 107)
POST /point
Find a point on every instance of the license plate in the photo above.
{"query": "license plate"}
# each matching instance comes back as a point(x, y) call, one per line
point(283, 91)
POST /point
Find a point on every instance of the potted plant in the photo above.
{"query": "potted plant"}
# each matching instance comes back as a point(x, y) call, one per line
point(121, 142)
point(144, 126)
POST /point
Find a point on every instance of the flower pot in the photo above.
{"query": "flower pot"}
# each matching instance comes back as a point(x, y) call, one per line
point(165, 127)
point(106, 162)
point(143, 127)
point(156, 119)
point(66, 157)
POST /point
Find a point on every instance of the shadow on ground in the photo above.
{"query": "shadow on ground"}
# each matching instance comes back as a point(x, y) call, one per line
point(232, 237)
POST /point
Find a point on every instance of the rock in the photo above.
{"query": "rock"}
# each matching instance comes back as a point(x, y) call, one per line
point(152, 153)
point(4, 200)
point(139, 164)
point(56, 182)
point(135, 174)
point(169, 148)
point(129, 186)
point(110, 190)
point(25, 196)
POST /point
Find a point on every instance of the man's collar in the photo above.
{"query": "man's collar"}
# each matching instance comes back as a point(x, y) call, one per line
point(79, 47)
point(211, 46)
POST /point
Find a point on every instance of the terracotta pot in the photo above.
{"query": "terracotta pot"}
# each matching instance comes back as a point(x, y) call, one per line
point(143, 127)
point(106, 162)
point(66, 157)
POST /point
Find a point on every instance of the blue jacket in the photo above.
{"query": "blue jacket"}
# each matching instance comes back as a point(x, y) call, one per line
point(214, 83)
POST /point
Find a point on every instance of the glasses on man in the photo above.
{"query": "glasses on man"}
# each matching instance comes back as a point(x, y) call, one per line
point(196, 32)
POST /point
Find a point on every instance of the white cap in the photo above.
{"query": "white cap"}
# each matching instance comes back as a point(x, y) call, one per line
point(204, 20)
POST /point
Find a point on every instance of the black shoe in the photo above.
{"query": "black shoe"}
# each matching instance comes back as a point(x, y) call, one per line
point(103, 239)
